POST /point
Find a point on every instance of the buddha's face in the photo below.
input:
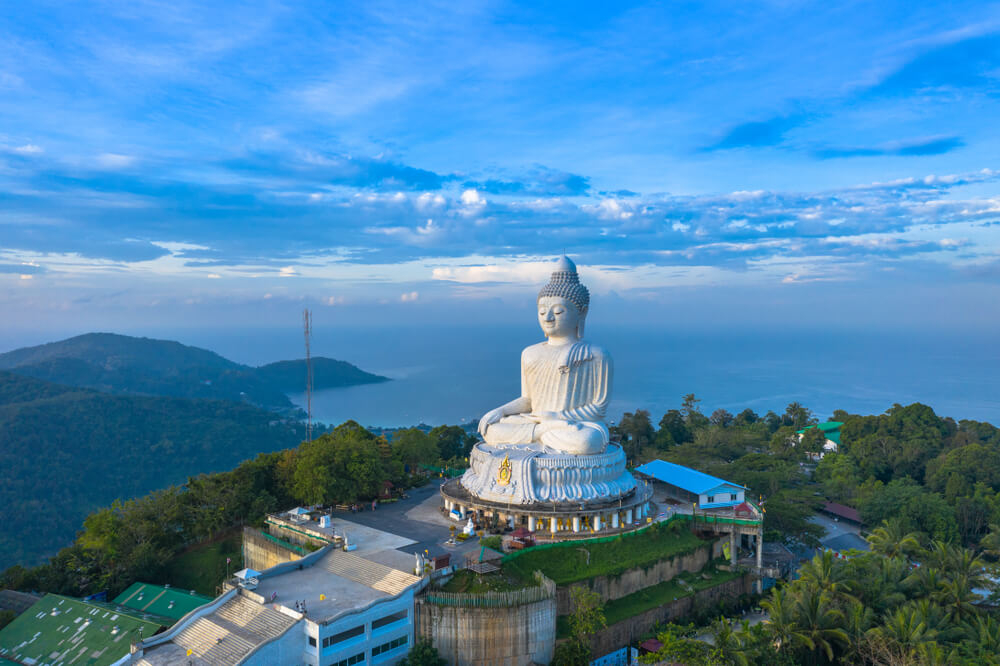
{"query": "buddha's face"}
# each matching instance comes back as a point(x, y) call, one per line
point(558, 317)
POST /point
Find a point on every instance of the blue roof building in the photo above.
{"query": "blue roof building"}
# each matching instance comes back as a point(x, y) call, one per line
point(708, 491)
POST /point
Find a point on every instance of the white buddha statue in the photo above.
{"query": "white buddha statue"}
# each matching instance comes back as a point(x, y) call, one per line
point(565, 381)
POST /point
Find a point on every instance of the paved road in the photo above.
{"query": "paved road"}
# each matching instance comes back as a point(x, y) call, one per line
point(424, 524)
point(840, 535)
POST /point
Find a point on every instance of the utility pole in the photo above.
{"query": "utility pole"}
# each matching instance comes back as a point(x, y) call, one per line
point(307, 326)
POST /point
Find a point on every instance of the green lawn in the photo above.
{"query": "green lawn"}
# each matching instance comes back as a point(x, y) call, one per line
point(653, 597)
point(471, 583)
point(203, 567)
point(569, 563)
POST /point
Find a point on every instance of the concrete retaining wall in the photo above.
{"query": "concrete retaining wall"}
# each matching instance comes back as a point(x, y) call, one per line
point(260, 553)
point(628, 631)
point(515, 636)
point(633, 580)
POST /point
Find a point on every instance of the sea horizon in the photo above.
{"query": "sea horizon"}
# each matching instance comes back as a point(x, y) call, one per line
point(447, 374)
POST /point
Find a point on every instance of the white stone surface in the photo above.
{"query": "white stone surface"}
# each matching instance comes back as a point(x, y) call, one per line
point(551, 443)
point(565, 381)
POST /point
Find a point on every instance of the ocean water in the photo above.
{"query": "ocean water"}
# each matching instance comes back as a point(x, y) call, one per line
point(455, 374)
point(450, 375)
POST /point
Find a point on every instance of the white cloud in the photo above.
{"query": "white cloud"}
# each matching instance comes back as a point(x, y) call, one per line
point(114, 161)
point(409, 297)
point(287, 271)
point(473, 198)
point(213, 276)
point(29, 149)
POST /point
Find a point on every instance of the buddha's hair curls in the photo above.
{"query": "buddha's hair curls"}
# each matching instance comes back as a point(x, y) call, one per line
point(566, 284)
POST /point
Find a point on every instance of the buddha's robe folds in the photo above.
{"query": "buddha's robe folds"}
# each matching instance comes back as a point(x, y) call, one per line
point(568, 388)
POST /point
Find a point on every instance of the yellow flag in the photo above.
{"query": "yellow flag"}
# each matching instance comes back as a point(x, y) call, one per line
point(322, 597)
point(190, 652)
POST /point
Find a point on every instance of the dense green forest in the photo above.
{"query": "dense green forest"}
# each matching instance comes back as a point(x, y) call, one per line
point(289, 376)
point(934, 474)
point(137, 539)
point(929, 483)
point(66, 452)
point(128, 365)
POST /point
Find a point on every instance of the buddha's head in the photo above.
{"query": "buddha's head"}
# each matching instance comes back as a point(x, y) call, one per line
point(563, 303)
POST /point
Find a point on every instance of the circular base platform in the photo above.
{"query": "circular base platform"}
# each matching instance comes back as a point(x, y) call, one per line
point(560, 520)
point(529, 474)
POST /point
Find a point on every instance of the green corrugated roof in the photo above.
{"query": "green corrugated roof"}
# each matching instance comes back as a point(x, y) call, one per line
point(167, 601)
point(63, 629)
point(831, 429)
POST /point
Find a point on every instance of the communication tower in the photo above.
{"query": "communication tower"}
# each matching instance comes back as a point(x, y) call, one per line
point(307, 325)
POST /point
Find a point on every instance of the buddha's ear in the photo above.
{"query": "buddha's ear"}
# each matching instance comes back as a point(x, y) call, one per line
point(579, 326)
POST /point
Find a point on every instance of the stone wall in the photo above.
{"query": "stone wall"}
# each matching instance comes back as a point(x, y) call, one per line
point(260, 553)
point(633, 580)
point(513, 636)
point(628, 631)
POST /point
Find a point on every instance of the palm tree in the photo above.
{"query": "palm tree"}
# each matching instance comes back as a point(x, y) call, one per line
point(728, 643)
point(957, 597)
point(991, 542)
point(781, 619)
point(984, 632)
point(906, 628)
point(857, 621)
point(892, 539)
point(819, 622)
point(826, 572)
point(924, 581)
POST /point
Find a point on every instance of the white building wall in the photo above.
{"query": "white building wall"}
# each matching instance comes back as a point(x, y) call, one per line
point(363, 643)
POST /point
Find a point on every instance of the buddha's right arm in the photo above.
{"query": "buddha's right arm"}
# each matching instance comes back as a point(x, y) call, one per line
point(520, 405)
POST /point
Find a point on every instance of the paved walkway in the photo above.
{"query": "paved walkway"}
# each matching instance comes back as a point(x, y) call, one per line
point(415, 518)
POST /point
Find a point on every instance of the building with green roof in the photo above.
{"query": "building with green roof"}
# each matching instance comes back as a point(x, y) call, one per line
point(61, 629)
point(831, 431)
point(161, 600)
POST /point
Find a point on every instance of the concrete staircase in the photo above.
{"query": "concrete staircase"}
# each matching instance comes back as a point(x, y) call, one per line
point(224, 637)
point(376, 576)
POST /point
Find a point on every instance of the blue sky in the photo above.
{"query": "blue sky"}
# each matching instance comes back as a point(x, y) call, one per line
point(704, 163)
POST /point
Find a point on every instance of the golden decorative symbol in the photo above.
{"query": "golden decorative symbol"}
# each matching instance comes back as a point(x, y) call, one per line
point(503, 474)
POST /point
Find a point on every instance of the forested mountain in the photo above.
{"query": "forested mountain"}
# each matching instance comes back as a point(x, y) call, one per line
point(289, 376)
point(65, 452)
point(129, 365)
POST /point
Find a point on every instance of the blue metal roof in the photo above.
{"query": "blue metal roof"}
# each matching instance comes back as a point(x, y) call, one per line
point(683, 477)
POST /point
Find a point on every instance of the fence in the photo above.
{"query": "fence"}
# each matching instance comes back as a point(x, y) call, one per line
point(508, 599)
point(583, 542)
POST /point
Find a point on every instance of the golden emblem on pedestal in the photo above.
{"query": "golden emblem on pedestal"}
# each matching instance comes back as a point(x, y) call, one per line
point(503, 474)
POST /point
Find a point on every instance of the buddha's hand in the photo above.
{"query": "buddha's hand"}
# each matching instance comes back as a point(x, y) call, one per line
point(491, 417)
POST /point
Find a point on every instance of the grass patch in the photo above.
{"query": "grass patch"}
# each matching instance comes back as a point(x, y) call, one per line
point(494, 542)
point(663, 593)
point(570, 563)
point(654, 597)
point(203, 567)
point(470, 582)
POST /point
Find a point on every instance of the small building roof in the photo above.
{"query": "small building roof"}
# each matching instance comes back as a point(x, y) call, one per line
point(167, 601)
point(683, 477)
point(842, 511)
point(63, 629)
point(18, 602)
point(831, 429)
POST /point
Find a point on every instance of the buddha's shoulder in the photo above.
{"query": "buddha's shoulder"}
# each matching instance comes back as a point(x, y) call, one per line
point(543, 349)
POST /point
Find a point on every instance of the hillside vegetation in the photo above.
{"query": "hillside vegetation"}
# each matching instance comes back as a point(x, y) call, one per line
point(123, 364)
point(66, 451)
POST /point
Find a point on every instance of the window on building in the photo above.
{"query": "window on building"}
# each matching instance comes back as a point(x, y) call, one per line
point(312, 641)
point(350, 661)
point(391, 645)
point(733, 496)
point(343, 636)
point(389, 619)
point(711, 499)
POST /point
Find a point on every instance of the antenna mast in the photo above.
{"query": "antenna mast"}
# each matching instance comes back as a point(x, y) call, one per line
point(307, 325)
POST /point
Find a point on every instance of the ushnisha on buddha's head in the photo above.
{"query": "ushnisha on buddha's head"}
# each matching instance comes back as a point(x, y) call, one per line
point(563, 304)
